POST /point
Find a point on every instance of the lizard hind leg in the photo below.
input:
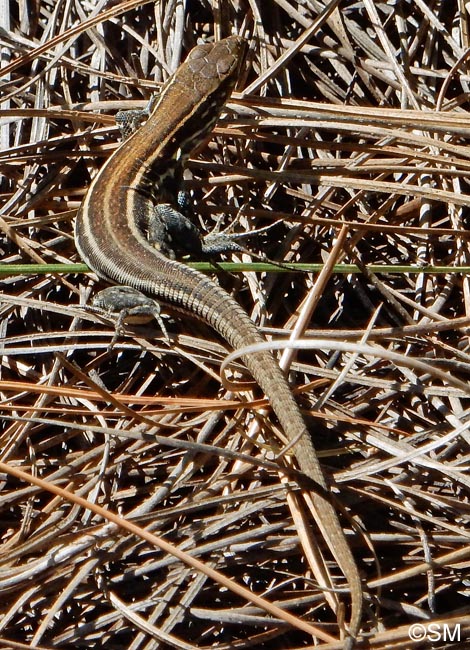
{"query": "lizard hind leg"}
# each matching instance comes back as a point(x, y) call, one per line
point(130, 306)
point(169, 231)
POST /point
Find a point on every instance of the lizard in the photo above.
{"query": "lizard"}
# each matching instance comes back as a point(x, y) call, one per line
point(125, 231)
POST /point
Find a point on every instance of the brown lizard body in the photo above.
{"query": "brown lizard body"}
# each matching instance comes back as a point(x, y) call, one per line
point(144, 173)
